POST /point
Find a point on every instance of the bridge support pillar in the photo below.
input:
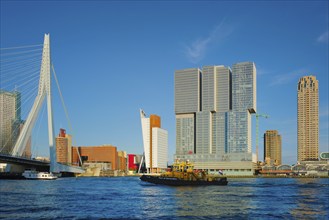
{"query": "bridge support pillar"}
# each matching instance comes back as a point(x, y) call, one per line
point(14, 168)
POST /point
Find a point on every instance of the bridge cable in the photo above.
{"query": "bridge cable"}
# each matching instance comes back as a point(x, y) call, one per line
point(19, 69)
point(26, 46)
point(65, 110)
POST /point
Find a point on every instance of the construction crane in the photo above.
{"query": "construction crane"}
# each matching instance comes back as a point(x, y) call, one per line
point(257, 131)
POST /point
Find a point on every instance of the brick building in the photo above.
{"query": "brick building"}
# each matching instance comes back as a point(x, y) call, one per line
point(96, 154)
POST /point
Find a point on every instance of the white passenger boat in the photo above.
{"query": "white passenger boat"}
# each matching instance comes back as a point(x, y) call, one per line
point(35, 175)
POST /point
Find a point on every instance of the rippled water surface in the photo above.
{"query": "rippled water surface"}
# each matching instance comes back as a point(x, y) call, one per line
point(129, 198)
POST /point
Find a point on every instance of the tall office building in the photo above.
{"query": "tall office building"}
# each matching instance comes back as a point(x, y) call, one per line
point(244, 87)
point(185, 134)
point(187, 103)
point(64, 147)
point(155, 141)
point(272, 146)
point(238, 132)
point(188, 87)
point(219, 130)
point(308, 119)
point(243, 105)
point(10, 119)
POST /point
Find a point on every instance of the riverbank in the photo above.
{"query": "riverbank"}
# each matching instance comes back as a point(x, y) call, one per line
point(4, 175)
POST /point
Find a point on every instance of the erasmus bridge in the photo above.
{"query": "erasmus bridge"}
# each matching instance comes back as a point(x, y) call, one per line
point(19, 68)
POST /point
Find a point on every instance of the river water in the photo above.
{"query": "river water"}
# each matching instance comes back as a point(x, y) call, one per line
point(129, 198)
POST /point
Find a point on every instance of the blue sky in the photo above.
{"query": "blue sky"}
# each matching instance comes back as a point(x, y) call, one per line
point(113, 57)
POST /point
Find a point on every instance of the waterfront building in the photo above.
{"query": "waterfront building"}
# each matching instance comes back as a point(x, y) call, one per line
point(188, 87)
point(10, 119)
point(106, 154)
point(243, 105)
point(64, 147)
point(187, 103)
point(134, 163)
point(215, 132)
point(185, 134)
point(272, 146)
point(155, 141)
point(122, 161)
point(308, 119)
point(304, 168)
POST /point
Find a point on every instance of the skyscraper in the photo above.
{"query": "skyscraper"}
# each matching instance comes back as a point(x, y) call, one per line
point(272, 146)
point(243, 104)
point(155, 141)
point(10, 119)
point(187, 104)
point(244, 87)
point(217, 127)
point(308, 119)
point(188, 97)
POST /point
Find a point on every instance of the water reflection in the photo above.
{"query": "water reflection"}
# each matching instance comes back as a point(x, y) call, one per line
point(127, 198)
point(312, 198)
point(213, 201)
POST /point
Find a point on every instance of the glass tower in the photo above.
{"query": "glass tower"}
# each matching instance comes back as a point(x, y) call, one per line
point(213, 110)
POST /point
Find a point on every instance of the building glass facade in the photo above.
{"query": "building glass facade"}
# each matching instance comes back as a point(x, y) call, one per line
point(185, 138)
point(10, 119)
point(187, 87)
point(221, 127)
point(244, 87)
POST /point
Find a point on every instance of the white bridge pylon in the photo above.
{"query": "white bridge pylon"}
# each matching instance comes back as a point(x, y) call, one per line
point(44, 92)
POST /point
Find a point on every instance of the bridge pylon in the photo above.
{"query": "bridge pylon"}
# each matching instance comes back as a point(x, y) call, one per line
point(44, 92)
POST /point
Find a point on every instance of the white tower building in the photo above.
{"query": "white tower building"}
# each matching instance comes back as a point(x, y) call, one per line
point(155, 141)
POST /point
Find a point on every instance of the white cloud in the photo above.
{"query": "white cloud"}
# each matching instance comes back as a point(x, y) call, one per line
point(288, 77)
point(196, 51)
point(262, 71)
point(323, 38)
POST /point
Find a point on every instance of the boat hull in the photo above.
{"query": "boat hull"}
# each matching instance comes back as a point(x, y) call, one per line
point(40, 178)
point(178, 182)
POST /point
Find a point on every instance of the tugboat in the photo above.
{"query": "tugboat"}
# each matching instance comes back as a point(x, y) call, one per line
point(182, 174)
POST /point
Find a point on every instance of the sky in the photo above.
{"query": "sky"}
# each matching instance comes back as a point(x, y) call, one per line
point(114, 57)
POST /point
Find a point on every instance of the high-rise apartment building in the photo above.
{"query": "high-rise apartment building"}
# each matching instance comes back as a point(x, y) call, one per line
point(64, 147)
point(155, 141)
point(10, 119)
point(219, 129)
point(272, 146)
point(308, 119)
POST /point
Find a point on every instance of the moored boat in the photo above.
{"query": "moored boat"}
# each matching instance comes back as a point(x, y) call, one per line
point(182, 174)
point(35, 175)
